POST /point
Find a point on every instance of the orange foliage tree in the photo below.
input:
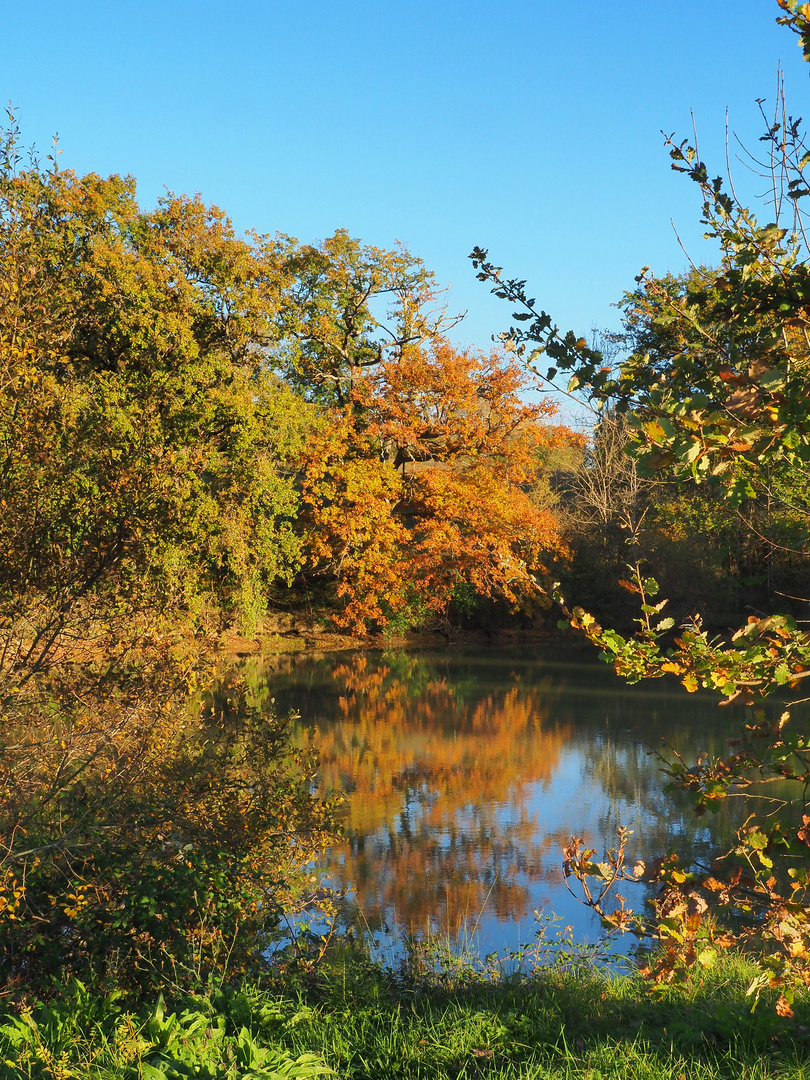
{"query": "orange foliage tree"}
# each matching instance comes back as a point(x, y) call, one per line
point(354, 536)
point(469, 449)
point(423, 488)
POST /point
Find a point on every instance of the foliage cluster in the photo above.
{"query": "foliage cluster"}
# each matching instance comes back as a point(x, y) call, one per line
point(143, 449)
point(149, 843)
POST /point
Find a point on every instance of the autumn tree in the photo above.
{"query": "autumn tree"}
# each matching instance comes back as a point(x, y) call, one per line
point(422, 487)
point(143, 438)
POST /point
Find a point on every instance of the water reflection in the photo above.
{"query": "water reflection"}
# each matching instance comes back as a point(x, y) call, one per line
point(467, 772)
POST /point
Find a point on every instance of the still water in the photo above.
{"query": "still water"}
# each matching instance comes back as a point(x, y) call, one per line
point(467, 771)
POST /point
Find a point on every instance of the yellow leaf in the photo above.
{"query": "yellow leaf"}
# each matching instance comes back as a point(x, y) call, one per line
point(707, 957)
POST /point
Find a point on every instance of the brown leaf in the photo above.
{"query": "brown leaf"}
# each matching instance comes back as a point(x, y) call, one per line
point(783, 1006)
point(697, 904)
point(725, 941)
point(758, 367)
point(628, 585)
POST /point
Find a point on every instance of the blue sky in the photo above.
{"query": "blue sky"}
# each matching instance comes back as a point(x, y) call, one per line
point(533, 129)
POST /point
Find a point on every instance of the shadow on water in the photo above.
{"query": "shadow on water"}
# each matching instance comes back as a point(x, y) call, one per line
point(467, 771)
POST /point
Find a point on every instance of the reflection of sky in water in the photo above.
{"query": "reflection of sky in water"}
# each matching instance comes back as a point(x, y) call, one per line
point(468, 774)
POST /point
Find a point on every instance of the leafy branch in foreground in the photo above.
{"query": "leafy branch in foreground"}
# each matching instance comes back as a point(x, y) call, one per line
point(715, 391)
point(758, 894)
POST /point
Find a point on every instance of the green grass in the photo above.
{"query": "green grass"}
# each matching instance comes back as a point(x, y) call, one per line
point(359, 1020)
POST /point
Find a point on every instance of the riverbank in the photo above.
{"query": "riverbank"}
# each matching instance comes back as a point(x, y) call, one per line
point(288, 632)
point(354, 1019)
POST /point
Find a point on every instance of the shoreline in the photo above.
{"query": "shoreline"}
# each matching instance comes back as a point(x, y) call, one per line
point(288, 636)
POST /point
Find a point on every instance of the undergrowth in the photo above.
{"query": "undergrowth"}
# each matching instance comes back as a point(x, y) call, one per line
point(353, 1017)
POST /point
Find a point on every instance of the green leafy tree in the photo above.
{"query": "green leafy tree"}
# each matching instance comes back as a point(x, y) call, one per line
point(144, 443)
point(147, 459)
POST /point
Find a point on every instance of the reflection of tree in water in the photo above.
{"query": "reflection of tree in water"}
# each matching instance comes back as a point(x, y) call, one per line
point(438, 823)
point(468, 772)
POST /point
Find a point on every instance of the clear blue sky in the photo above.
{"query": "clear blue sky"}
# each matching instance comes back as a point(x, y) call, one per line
point(532, 129)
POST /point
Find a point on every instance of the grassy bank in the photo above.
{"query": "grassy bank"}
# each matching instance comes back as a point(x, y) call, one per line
point(358, 1020)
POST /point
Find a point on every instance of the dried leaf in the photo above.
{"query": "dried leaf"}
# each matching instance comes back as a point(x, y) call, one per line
point(783, 1006)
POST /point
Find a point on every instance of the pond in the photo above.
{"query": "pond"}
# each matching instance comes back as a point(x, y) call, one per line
point(466, 771)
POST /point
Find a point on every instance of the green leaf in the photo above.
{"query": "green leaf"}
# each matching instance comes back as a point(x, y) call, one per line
point(772, 380)
point(740, 490)
point(691, 452)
